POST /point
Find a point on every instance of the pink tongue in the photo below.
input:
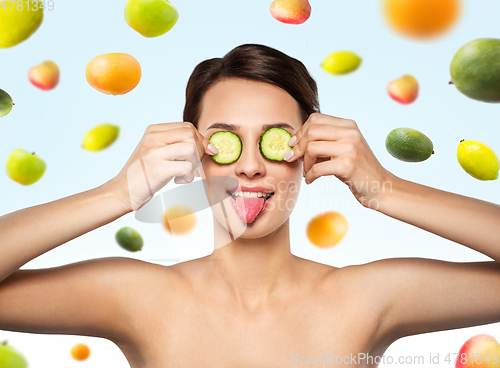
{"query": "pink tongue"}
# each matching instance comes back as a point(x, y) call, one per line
point(249, 208)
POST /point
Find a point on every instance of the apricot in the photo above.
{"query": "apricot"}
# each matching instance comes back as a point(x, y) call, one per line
point(327, 229)
point(182, 219)
point(113, 74)
point(80, 352)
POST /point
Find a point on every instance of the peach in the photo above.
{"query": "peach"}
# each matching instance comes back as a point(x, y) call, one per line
point(45, 75)
point(480, 351)
point(290, 11)
point(403, 90)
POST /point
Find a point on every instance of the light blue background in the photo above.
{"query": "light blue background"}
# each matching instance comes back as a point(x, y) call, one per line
point(53, 124)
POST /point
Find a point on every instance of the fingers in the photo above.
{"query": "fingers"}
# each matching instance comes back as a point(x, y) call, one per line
point(169, 133)
point(318, 118)
point(326, 149)
point(318, 132)
point(341, 167)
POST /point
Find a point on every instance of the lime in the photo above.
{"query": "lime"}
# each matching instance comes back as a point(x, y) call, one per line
point(410, 145)
point(341, 62)
point(100, 137)
point(5, 103)
point(478, 160)
point(129, 239)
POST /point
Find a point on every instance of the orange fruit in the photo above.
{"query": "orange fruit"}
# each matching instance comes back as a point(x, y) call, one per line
point(80, 352)
point(421, 18)
point(182, 219)
point(327, 229)
point(113, 74)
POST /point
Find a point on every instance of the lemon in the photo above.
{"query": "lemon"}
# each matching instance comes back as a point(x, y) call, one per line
point(478, 160)
point(100, 137)
point(341, 62)
point(18, 21)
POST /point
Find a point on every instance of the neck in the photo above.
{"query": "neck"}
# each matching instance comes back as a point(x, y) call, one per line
point(253, 270)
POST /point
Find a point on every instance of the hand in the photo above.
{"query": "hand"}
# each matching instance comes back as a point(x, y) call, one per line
point(165, 151)
point(335, 146)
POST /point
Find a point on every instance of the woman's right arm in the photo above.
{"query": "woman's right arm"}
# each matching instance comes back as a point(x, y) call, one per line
point(30, 232)
point(49, 299)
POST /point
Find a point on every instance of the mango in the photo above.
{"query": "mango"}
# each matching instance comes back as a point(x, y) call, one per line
point(45, 75)
point(475, 70)
point(290, 11)
point(404, 89)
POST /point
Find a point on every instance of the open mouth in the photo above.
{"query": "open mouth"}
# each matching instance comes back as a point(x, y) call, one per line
point(265, 195)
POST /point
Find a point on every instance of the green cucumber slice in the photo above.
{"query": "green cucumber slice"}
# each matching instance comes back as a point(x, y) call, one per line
point(229, 146)
point(274, 143)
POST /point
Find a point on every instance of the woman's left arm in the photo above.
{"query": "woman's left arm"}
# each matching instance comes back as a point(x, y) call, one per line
point(415, 295)
point(334, 146)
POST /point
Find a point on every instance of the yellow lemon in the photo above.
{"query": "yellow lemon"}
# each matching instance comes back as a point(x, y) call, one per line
point(18, 21)
point(478, 160)
point(100, 137)
point(341, 62)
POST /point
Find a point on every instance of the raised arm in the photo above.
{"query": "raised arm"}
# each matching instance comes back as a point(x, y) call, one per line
point(417, 295)
point(91, 297)
point(465, 220)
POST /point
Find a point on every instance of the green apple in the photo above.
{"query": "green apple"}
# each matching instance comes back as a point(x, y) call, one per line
point(24, 167)
point(5, 103)
point(10, 357)
point(18, 21)
point(151, 18)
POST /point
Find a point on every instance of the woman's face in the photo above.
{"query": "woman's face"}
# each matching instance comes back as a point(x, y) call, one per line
point(248, 108)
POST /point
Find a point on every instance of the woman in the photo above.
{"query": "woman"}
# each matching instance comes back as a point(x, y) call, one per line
point(251, 303)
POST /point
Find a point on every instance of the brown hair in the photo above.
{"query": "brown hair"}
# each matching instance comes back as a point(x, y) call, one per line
point(253, 62)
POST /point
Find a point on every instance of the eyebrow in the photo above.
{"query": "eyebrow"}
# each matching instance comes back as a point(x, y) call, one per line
point(237, 127)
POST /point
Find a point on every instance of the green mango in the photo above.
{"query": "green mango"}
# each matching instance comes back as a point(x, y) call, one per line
point(475, 70)
point(409, 145)
point(5, 103)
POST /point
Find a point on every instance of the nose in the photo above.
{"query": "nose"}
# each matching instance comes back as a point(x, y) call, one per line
point(250, 162)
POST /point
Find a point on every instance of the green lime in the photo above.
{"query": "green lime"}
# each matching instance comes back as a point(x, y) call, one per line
point(129, 239)
point(100, 137)
point(5, 103)
point(410, 145)
point(478, 160)
point(341, 62)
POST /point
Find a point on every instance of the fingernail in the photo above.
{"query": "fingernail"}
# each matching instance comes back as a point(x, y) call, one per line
point(292, 141)
point(288, 155)
point(212, 149)
point(308, 182)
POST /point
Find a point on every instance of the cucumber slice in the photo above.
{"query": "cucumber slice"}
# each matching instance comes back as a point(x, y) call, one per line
point(229, 146)
point(274, 143)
